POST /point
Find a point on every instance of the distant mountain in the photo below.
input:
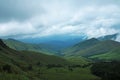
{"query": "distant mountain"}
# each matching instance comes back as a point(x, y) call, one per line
point(64, 38)
point(18, 45)
point(48, 46)
point(56, 42)
point(46, 49)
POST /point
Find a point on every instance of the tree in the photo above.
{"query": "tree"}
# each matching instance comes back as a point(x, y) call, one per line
point(7, 68)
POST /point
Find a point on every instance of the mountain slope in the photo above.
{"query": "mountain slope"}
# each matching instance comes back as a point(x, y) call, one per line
point(20, 64)
point(27, 56)
point(17, 45)
point(111, 55)
point(26, 65)
point(96, 49)
point(80, 46)
point(99, 48)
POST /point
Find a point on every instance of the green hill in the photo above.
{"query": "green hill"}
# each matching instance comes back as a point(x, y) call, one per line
point(80, 46)
point(18, 45)
point(79, 60)
point(95, 49)
point(28, 56)
point(27, 65)
point(70, 53)
point(100, 48)
point(13, 62)
point(114, 54)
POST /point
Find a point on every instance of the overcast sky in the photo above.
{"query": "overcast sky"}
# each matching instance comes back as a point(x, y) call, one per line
point(39, 18)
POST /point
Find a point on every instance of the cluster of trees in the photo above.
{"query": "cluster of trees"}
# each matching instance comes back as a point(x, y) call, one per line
point(107, 70)
point(10, 69)
point(54, 65)
point(6, 68)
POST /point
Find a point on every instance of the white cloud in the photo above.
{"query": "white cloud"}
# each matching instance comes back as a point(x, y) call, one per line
point(118, 37)
point(15, 28)
point(65, 18)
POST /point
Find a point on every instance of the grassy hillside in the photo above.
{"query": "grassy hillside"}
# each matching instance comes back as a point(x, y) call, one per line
point(114, 54)
point(28, 56)
point(100, 48)
point(27, 65)
point(78, 60)
point(80, 46)
point(94, 49)
point(17, 45)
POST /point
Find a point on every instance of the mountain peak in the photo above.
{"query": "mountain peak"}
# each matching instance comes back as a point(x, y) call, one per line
point(89, 41)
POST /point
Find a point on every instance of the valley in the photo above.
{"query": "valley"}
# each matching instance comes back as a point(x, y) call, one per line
point(28, 65)
point(59, 39)
point(81, 61)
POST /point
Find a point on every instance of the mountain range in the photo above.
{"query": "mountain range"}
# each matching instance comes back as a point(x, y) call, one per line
point(29, 65)
point(90, 48)
point(30, 56)
point(20, 60)
point(20, 46)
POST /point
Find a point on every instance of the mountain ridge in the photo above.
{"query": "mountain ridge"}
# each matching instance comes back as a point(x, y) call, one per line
point(18, 45)
point(100, 47)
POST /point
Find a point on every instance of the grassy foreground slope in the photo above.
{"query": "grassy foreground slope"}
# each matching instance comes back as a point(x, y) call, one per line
point(26, 65)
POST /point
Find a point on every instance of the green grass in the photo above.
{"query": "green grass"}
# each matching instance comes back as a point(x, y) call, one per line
point(80, 46)
point(90, 48)
point(65, 74)
point(18, 45)
point(78, 60)
point(27, 65)
point(111, 55)
point(6, 76)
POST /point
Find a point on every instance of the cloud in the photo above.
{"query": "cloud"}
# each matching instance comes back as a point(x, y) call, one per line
point(15, 28)
point(118, 38)
point(19, 10)
point(39, 18)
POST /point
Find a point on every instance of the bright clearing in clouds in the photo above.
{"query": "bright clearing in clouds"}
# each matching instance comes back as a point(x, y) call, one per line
point(39, 18)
